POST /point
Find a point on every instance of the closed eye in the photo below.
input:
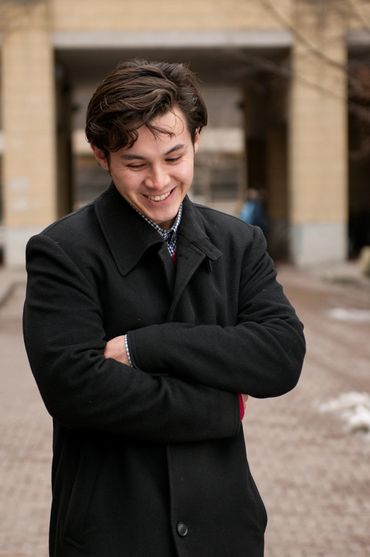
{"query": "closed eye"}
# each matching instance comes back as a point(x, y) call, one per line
point(174, 159)
point(136, 166)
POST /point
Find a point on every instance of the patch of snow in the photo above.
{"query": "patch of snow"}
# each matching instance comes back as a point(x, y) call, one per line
point(353, 315)
point(353, 408)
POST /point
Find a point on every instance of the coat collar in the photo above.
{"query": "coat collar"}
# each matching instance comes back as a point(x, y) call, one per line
point(120, 222)
point(192, 231)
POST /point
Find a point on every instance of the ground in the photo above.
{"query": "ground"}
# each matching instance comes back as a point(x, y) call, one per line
point(313, 474)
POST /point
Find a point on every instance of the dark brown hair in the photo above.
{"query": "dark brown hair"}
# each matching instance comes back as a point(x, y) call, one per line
point(136, 92)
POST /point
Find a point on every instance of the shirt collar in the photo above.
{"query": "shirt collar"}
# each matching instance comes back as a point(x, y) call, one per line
point(170, 234)
point(164, 232)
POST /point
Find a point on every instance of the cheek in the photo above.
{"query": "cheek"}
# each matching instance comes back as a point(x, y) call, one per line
point(126, 182)
point(186, 173)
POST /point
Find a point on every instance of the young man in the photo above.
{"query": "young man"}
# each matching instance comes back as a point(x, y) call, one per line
point(146, 319)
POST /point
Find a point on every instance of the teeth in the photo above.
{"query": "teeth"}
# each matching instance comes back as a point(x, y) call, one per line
point(159, 197)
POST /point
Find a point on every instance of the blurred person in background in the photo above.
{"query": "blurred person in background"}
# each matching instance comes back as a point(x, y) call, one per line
point(147, 321)
point(253, 209)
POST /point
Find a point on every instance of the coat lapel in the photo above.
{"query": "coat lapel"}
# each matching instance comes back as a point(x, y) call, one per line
point(129, 237)
point(126, 232)
point(193, 248)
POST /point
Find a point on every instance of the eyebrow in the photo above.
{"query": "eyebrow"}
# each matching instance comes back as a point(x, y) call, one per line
point(169, 152)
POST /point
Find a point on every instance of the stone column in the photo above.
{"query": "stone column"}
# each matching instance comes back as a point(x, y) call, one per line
point(277, 199)
point(29, 175)
point(318, 136)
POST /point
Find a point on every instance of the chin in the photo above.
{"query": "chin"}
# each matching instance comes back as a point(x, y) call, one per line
point(164, 221)
point(163, 218)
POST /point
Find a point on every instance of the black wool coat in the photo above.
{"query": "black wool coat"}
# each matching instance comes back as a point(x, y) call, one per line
point(150, 461)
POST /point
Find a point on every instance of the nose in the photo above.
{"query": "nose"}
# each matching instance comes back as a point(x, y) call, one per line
point(157, 178)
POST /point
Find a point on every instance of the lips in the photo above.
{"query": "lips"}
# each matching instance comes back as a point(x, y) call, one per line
point(157, 198)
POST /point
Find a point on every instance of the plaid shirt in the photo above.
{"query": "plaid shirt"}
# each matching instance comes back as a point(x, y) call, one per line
point(169, 235)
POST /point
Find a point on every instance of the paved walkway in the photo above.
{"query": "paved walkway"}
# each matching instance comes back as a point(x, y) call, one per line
point(314, 476)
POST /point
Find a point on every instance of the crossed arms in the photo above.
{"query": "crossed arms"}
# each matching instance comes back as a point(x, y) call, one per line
point(187, 392)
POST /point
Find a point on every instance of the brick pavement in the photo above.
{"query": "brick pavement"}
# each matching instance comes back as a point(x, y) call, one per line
point(25, 445)
point(313, 475)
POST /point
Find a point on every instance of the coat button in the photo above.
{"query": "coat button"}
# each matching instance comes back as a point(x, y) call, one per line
point(182, 529)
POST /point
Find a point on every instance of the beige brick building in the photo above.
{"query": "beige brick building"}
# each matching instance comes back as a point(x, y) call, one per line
point(287, 113)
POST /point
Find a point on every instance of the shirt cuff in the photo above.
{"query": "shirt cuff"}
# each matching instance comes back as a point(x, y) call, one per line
point(125, 340)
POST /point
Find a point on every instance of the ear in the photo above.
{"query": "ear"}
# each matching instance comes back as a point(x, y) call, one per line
point(100, 157)
point(196, 140)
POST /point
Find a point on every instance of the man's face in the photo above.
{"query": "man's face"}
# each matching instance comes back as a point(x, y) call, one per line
point(155, 173)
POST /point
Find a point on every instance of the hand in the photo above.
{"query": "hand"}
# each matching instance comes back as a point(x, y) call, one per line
point(115, 349)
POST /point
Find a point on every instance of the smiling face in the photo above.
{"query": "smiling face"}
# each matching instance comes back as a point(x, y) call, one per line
point(156, 172)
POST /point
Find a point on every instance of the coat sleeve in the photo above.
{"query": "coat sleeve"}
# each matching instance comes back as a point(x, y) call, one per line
point(65, 341)
point(261, 355)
